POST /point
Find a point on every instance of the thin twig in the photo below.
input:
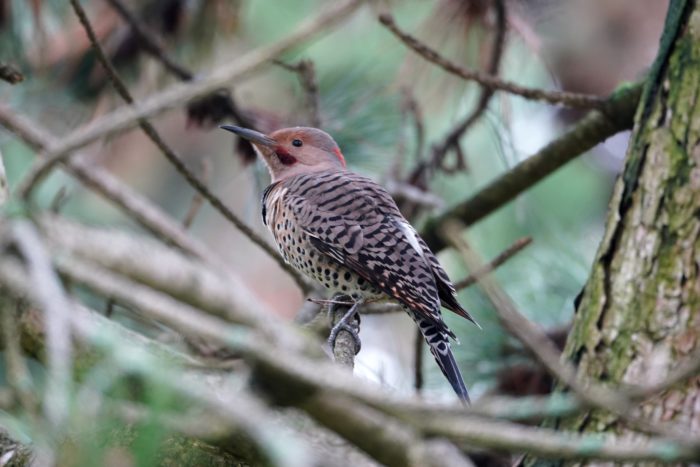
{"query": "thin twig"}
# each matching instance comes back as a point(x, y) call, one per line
point(502, 257)
point(410, 116)
point(245, 411)
point(414, 194)
point(553, 97)
point(451, 141)
point(617, 115)
point(178, 94)
point(306, 72)
point(197, 198)
point(223, 295)
point(39, 171)
point(134, 205)
point(541, 346)
point(320, 382)
point(150, 42)
point(555, 444)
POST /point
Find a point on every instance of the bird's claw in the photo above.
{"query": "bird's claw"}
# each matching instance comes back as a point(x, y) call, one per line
point(350, 330)
point(344, 325)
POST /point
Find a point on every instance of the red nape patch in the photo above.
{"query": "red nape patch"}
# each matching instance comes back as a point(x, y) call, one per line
point(284, 157)
point(340, 156)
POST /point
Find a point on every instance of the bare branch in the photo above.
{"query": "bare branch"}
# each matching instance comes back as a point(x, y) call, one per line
point(307, 77)
point(617, 114)
point(177, 94)
point(413, 194)
point(42, 168)
point(391, 429)
point(150, 42)
point(452, 140)
point(488, 80)
point(197, 198)
point(555, 444)
point(540, 345)
point(133, 204)
point(384, 438)
point(192, 282)
point(502, 258)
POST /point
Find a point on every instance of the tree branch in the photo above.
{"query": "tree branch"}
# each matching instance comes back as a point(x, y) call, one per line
point(617, 114)
point(306, 72)
point(178, 94)
point(344, 348)
point(489, 80)
point(451, 141)
point(290, 375)
point(517, 246)
point(544, 350)
point(150, 42)
point(134, 205)
point(42, 168)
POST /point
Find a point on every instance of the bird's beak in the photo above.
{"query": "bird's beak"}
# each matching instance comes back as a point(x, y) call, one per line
point(251, 135)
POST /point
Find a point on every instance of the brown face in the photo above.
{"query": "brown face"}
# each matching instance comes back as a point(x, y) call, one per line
point(292, 151)
point(306, 145)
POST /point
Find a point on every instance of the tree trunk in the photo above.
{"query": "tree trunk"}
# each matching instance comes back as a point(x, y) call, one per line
point(639, 316)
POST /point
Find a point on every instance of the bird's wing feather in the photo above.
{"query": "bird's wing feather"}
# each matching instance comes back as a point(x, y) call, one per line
point(354, 221)
point(446, 291)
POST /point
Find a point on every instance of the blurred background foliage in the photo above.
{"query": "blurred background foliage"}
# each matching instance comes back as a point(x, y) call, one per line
point(363, 75)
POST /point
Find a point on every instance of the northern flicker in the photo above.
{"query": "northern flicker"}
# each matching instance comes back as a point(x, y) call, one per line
point(345, 231)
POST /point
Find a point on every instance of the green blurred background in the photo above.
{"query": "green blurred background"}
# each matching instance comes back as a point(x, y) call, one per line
point(588, 46)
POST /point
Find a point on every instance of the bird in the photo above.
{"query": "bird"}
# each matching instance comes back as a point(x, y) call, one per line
point(345, 231)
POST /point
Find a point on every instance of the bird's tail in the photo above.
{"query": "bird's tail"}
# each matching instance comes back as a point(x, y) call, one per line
point(438, 341)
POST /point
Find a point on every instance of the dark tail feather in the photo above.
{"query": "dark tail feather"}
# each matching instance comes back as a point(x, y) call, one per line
point(446, 362)
point(437, 337)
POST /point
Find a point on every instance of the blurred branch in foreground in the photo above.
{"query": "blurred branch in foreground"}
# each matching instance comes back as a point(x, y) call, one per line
point(545, 351)
point(393, 430)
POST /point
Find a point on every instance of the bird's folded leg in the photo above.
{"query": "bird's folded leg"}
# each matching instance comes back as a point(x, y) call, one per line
point(345, 322)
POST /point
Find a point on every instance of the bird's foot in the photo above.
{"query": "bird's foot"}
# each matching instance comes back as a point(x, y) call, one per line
point(344, 324)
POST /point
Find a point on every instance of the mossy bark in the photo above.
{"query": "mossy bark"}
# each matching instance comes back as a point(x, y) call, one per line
point(639, 316)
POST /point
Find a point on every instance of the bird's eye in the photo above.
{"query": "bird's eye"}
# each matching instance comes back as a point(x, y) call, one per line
point(297, 143)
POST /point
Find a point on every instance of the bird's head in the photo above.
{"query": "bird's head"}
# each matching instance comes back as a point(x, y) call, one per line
point(294, 151)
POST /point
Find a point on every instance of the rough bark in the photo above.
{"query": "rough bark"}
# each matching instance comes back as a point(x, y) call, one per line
point(639, 316)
